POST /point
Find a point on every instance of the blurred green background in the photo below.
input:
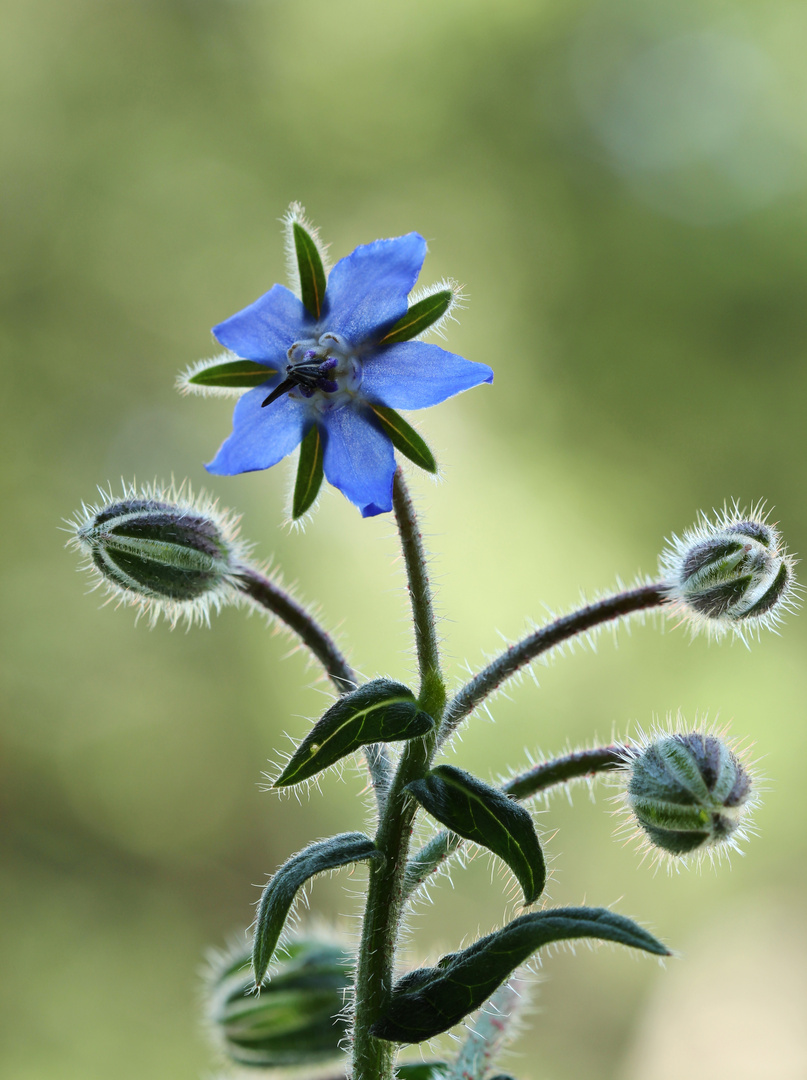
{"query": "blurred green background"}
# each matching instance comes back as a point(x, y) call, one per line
point(621, 187)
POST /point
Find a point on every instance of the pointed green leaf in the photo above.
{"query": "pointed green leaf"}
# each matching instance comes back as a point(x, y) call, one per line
point(312, 272)
point(309, 473)
point(419, 317)
point(233, 375)
point(404, 438)
point(428, 1001)
point(488, 817)
point(379, 711)
point(279, 894)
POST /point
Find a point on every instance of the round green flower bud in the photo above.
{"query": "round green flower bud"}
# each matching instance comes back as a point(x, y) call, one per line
point(730, 574)
point(688, 793)
point(298, 1016)
point(162, 551)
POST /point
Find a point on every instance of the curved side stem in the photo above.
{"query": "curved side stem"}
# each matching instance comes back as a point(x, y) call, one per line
point(573, 766)
point(547, 637)
point(523, 786)
point(267, 594)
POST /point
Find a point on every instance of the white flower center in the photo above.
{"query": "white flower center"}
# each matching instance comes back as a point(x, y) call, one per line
point(325, 372)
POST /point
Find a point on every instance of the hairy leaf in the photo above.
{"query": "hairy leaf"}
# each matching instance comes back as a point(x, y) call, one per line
point(233, 375)
point(309, 473)
point(404, 438)
point(488, 817)
point(379, 711)
point(419, 317)
point(428, 1001)
point(279, 894)
point(312, 272)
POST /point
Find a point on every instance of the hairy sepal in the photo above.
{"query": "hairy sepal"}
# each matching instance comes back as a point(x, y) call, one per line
point(422, 315)
point(379, 711)
point(279, 894)
point(297, 1019)
point(486, 816)
point(310, 269)
point(226, 374)
point(404, 437)
point(428, 1001)
point(309, 473)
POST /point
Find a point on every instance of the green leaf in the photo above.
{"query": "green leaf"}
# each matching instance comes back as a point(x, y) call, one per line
point(279, 894)
point(404, 438)
point(309, 473)
point(422, 1070)
point(488, 817)
point(233, 375)
point(429, 1001)
point(312, 272)
point(379, 711)
point(419, 317)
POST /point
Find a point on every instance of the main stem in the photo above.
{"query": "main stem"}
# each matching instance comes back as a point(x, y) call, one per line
point(373, 1059)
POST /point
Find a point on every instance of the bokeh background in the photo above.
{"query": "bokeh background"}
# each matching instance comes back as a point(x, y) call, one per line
point(621, 187)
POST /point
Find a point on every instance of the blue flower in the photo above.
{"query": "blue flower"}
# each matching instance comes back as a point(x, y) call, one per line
point(329, 371)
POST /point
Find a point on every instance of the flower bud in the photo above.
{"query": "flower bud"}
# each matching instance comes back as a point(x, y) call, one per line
point(161, 551)
point(298, 1016)
point(688, 792)
point(730, 574)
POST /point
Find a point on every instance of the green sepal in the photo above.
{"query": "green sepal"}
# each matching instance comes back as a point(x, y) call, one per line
point(488, 817)
point(279, 894)
point(419, 317)
point(309, 473)
point(422, 1070)
point(428, 1001)
point(298, 1017)
point(312, 272)
point(379, 711)
point(233, 375)
point(404, 437)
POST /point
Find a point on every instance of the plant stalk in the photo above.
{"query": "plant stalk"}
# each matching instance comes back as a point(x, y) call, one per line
point(374, 1059)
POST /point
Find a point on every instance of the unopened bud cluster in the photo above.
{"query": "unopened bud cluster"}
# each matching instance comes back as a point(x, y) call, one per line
point(161, 551)
point(731, 574)
point(298, 1016)
point(689, 792)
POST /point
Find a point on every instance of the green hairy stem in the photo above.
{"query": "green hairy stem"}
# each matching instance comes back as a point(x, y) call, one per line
point(547, 637)
point(373, 1059)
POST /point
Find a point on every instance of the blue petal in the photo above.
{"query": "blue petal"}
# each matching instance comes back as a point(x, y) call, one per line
point(359, 460)
point(367, 290)
point(266, 329)
point(414, 375)
point(261, 437)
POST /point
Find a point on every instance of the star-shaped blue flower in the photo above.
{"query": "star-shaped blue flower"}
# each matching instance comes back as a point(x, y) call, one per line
point(332, 370)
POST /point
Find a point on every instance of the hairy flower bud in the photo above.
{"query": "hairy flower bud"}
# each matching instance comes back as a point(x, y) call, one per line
point(730, 574)
point(298, 1016)
point(688, 793)
point(162, 551)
